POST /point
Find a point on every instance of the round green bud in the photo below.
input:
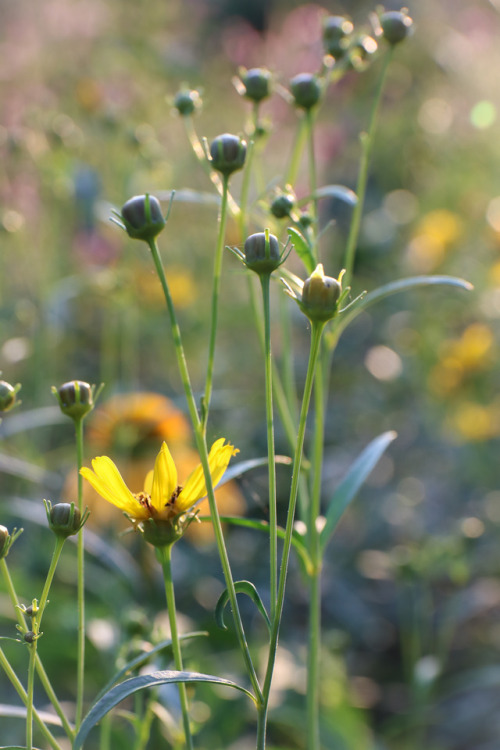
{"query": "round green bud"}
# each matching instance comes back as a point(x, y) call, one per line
point(336, 33)
point(283, 205)
point(262, 254)
point(7, 395)
point(257, 83)
point(227, 153)
point(396, 25)
point(76, 398)
point(186, 102)
point(142, 217)
point(306, 90)
point(320, 295)
point(64, 519)
point(305, 220)
point(29, 636)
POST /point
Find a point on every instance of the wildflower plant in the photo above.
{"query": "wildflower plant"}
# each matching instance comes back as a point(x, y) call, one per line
point(167, 504)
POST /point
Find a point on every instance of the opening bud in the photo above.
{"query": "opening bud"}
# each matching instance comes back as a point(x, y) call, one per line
point(142, 217)
point(7, 540)
point(64, 518)
point(262, 252)
point(257, 83)
point(186, 102)
point(8, 395)
point(306, 90)
point(76, 398)
point(336, 33)
point(319, 296)
point(227, 153)
point(395, 26)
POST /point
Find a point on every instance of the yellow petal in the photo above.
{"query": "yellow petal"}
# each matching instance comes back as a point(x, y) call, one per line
point(195, 487)
point(164, 479)
point(108, 482)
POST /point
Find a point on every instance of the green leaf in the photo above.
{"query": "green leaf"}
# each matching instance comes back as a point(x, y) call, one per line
point(143, 657)
point(341, 192)
point(236, 470)
point(241, 587)
point(19, 712)
point(133, 685)
point(15, 747)
point(302, 248)
point(402, 285)
point(350, 485)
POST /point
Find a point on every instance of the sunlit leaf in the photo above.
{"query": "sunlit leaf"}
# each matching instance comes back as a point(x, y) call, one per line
point(133, 685)
point(341, 192)
point(302, 249)
point(350, 485)
point(241, 587)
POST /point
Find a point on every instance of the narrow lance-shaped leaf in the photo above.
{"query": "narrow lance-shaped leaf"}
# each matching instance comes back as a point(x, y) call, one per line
point(241, 587)
point(302, 249)
point(133, 685)
point(350, 485)
point(341, 192)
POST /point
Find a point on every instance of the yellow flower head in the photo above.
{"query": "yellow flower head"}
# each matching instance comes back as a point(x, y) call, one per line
point(162, 499)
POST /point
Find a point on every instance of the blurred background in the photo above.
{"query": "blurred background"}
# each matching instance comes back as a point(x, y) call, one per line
point(411, 583)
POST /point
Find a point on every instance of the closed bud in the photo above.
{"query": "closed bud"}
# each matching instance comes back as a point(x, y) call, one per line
point(142, 217)
point(186, 102)
point(76, 398)
point(257, 83)
point(262, 252)
point(320, 295)
point(7, 540)
point(283, 205)
point(306, 90)
point(8, 395)
point(396, 25)
point(227, 153)
point(336, 33)
point(64, 518)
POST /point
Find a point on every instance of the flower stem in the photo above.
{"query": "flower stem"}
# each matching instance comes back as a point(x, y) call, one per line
point(165, 557)
point(309, 118)
point(367, 142)
point(265, 280)
point(298, 147)
point(316, 333)
point(215, 302)
point(80, 674)
point(44, 679)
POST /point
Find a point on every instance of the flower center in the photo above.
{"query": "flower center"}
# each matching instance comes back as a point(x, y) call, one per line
point(145, 500)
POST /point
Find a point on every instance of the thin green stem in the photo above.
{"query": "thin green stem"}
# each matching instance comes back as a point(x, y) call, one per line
point(16, 683)
point(165, 557)
point(44, 679)
point(48, 581)
point(313, 653)
point(313, 183)
point(219, 251)
point(245, 190)
point(30, 694)
point(367, 143)
point(316, 333)
point(80, 673)
point(273, 521)
point(201, 445)
point(298, 148)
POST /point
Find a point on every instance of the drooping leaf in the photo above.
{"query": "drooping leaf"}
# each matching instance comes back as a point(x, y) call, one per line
point(237, 469)
point(133, 685)
point(143, 657)
point(241, 587)
point(350, 485)
point(19, 712)
point(302, 248)
point(341, 192)
point(395, 287)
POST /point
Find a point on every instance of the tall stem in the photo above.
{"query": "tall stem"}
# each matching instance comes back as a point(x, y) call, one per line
point(367, 142)
point(215, 301)
point(309, 118)
point(80, 674)
point(273, 523)
point(316, 332)
point(165, 557)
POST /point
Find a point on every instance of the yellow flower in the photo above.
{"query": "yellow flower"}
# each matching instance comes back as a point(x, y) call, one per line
point(162, 499)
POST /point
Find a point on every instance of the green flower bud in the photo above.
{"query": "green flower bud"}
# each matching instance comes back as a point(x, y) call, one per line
point(396, 25)
point(257, 83)
point(186, 102)
point(336, 33)
point(64, 518)
point(228, 153)
point(306, 90)
point(8, 395)
point(30, 636)
point(76, 398)
point(142, 217)
point(320, 295)
point(262, 252)
point(283, 205)
point(165, 533)
point(7, 540)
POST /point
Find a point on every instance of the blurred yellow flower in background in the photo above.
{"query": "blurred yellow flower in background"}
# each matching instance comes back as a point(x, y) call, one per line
point(473, 422)
point(434, 235)
point(470, 353)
